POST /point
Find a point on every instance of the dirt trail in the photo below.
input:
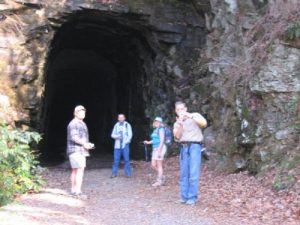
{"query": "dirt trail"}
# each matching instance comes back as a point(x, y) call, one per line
point(225, 199)
point(110, 202)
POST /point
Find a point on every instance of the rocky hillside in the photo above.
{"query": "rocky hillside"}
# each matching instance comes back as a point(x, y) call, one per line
point(237, 62)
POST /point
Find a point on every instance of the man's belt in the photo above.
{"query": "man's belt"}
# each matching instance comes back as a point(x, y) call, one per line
point(190, 142)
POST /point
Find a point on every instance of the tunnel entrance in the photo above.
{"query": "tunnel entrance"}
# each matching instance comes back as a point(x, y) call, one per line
point(95, 61)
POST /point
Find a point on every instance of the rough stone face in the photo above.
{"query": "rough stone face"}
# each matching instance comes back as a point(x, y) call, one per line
point(184, 51)
point(257, 126)
point(281, 73)
point(168, 33)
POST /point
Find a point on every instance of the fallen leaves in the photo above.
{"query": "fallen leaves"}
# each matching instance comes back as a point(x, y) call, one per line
point(223, 199)
point(240, 195)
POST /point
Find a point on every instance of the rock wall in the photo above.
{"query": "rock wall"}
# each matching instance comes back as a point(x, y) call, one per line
point(253, 124)
point(254, 120)
point(174, 31)
point(176, 28)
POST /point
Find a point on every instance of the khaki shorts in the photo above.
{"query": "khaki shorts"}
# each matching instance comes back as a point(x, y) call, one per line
point(77, 160)
point(162, 155)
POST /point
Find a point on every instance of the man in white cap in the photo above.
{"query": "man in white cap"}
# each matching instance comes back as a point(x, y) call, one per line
point(77, 148)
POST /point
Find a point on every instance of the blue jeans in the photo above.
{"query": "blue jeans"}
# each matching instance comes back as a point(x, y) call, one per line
point(190, 164)
point(117, 157)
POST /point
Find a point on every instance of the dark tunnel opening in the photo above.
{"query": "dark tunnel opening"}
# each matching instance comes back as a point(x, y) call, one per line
point(94, 61)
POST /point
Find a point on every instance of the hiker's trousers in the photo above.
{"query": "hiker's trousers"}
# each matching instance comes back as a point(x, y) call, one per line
point(190, 163)
point(118, 152)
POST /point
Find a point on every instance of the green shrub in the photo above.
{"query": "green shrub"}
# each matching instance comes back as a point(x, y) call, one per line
point(19, 168)
point(293, 31)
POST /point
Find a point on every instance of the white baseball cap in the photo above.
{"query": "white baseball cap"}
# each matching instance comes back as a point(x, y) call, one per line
point(159, 119)
point(79, 108)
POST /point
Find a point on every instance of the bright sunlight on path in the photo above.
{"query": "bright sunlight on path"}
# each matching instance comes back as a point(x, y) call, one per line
point(225, 199)
point(110, 202)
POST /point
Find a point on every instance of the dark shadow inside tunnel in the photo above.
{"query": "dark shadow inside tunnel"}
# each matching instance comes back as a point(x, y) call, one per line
point(95, 61)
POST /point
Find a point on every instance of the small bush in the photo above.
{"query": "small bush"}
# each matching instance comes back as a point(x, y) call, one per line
point(18, 164)
point(293, 31)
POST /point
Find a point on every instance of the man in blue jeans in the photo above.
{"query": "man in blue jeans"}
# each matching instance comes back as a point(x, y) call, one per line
point(122, 133)
point(187, 131)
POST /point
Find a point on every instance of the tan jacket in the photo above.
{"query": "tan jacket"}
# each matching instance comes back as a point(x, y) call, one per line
point(192, 128)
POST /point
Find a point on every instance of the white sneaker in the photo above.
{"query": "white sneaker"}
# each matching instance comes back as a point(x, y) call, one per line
point(157, 183)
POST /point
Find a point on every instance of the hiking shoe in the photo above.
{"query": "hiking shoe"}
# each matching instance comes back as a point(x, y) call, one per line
point(113, 176)
point(156, 184)
point(82, 196)
point(190, 202)
point(181, 201)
